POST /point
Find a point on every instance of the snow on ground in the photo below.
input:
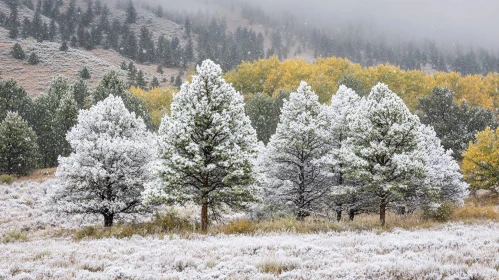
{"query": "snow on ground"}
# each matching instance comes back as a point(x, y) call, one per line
point(452, 251)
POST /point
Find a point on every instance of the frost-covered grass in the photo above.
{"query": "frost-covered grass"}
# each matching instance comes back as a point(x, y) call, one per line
point(38, 244)
point(455, 251)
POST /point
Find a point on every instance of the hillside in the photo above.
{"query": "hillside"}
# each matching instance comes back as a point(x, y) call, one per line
point(36, 78)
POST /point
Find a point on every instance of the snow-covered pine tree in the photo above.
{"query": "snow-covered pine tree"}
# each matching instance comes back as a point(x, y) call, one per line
point(383, 151)
point(296, 153)
point(345, 196)
point(207, 147)
point(443, 179)
point(18, 148)
point(111, 84)
point(111, 152)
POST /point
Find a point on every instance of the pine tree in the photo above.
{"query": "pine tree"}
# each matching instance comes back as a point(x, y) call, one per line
point(111, 84)
point(18, 148)
point(52, 30)
point(115, 164)
point(80, 92)
point(18, 52)
point(47, 107)
point(383, 152)
point(85, 73)
point(131, 13)
point(159, 69)
point(123, 65)
point(178, 81)
point(207, 147)
point(33, 59)
point(74, 41)
point(140, 80)
point(13, 98)
point(345, 196)
point(443, 179)
point(26, 28)
point(155, 83)
point(264, 112)
point(456, 125)
point(296, 170)
point(64, 46)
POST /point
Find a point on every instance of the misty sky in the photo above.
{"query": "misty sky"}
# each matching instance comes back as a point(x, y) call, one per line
point(472, 22)
point(467, 22)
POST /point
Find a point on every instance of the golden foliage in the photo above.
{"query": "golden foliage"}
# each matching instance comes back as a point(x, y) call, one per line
point(270, 75)
point(481, 161)
point(156, 100)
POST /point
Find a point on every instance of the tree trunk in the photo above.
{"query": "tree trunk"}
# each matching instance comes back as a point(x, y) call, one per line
point(338, 215)
point(382, 211)
point(351, 215)
point(108, 220)
point(204, 217)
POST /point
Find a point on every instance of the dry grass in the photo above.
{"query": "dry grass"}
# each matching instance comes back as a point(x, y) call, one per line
point(168, 223)
point(40, 175)
point(7, 179)
point(171, 223)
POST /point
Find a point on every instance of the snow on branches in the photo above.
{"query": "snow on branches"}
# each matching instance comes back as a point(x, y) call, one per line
point(111, 152)
point(207, 146)
point(295, 156)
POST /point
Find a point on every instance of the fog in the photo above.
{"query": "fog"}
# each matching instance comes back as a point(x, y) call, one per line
point(451, 21)
point(464, 22)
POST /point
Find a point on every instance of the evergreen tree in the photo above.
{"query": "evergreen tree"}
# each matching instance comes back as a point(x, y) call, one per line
point(74, 41)
point(383, 152)
point(345, 196)
point(18, 52)
point(18, 148)
point(155, 83)
point(207, 147)
point(455, 125)
point(111, 84)
point(26, 28)
point(123, 65)
point(178, 81)
point(80, 92)
point(140, 81)
point(264, 112)
point(52, 30)
point(296, 171)
point(13, 98)
point(159, 69)
point(64, 46)
point(47, 107)
point(33, 59)
point(131, 13)
point(85, 73)
point(116, 163)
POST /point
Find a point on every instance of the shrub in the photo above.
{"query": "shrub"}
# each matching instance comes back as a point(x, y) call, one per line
point(165, 223)
point(442, 214)
point(277, 267)
point(14, 236)
point(18, 52)
point(33, 59)
point(7, 179)
point(64, 46)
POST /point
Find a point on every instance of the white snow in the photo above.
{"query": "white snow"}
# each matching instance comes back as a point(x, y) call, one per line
point(452, 252)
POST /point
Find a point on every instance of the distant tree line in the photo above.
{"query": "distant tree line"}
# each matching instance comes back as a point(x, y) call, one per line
point(48, 117)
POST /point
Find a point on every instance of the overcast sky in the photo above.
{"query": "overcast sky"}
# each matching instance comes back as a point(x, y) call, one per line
point(473, 22)
point(468, 22)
